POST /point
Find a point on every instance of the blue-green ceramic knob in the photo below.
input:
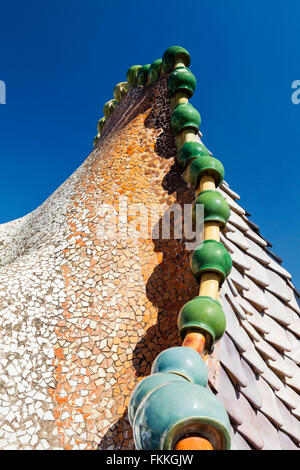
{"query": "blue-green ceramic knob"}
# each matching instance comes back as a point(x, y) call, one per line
point(155, 70)
point(173, 54)
point(191, 150)
point(176, 410)
point(211, 256)
point(109, 107)
point(100, 125)
point(216, 208)
point(183, 361)
point(205, 315)
point(182, 79)
point(142, 75)
point(185, 116)
point(132, 74)
point(201, 166)
point(146, 386)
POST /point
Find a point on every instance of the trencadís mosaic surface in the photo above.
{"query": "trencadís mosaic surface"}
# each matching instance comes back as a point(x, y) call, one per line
point(84, 312)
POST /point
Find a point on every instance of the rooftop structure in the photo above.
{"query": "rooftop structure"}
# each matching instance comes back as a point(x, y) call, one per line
point(94, 302)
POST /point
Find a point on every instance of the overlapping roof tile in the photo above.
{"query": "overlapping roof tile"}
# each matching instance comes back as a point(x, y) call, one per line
point(260, 352)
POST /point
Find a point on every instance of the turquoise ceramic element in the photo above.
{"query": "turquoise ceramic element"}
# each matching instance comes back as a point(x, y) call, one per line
point(211, 256)
point(182, 79)
point(100, 125)
point(109, 107)
point(191, 150)
point(216, 208)
point(185, 116)
point(173, 54)
point(182, 361)
point(120, 90)
point(173, 411)
point(205, 315)
point(142, 75)
point(132, 74)
point(201, 166)
point(146, 386)
point(155, 70)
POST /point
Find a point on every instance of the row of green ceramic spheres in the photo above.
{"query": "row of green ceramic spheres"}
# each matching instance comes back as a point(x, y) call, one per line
point(174, 399)
point(211, 255)
point(205, 314)
point(202, 313)
point(138, 75)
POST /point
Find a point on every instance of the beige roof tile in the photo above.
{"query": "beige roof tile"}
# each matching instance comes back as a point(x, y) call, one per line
point(238, 279)
point(235, 303)
point(278, 286)
point(250, 330)
point(257, 320)
point(294, 321)
point(228, 396)
point(285, 442)
point(225, 186)
point(290, 423)
point(246, 306)
point(238, 257)
point(272, 379)
point(237, 237)
point(231, 202)
point(254, 358)
point(269, 433)
point(294, 381)
point(280, 366)
point(269, 405)
point(257, 252)
point(278, 268)
point(232, 287)
point(233, 327)
point(238, 222)
point(238, 442)
point(290, 284)
point(289, 397)
point(251, 392)
point(293, 301)
point(249, 427)
point(277, 335)
point(265, 349)
point(255, 294)
point(255, 237)
point(294, 354)
point(257, 271)
point(277, 308)
point(230, 358)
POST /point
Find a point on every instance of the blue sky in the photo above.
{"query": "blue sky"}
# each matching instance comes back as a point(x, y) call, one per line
point(60, 61)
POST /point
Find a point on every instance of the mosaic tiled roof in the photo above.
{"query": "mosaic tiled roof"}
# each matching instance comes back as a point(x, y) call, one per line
point(84, 313)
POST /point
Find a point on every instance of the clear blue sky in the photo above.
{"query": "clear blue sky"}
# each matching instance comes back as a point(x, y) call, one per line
point(61, 59)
